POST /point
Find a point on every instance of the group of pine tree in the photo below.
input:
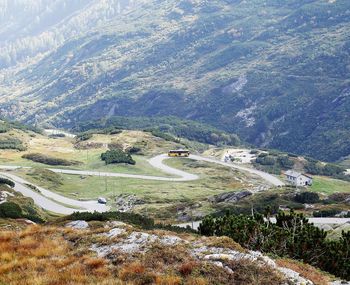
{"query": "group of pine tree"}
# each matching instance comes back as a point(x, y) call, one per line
point(291, 236)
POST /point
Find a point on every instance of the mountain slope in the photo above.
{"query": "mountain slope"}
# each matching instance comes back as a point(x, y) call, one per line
point(33, 28)
point(275, 73)
point(112, 252)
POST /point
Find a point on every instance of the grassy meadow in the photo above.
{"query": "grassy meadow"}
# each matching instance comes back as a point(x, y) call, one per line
point(329, 186)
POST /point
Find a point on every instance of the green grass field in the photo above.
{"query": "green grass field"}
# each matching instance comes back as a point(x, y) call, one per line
point(159, 196)
point(328, 185)
point(89, 159)
point(213, 180)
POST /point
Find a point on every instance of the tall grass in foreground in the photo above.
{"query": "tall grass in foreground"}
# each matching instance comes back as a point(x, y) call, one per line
point(41, 256)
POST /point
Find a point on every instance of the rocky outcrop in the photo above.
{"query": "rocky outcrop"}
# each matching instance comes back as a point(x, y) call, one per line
point(140, 242)
point(230, 197)
point(78, 225)
point(4, 195)
point(126, 203)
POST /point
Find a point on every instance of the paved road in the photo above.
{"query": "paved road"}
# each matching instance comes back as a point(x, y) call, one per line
point(46, 199)
point(266, 176)
point(157, 162)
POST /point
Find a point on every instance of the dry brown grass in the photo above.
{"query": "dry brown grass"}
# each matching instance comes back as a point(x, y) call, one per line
point(246, 272)
point(136, 273)
point(187, 268)
point(305, 270)
point(41, 255)
point(196, 281)
point(57, 256)
point(168, 280)
point(224, 242)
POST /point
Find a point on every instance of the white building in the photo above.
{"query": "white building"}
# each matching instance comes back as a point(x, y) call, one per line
point(298, 179)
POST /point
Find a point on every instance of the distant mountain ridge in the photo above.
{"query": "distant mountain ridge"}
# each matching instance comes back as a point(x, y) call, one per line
point(276, 73)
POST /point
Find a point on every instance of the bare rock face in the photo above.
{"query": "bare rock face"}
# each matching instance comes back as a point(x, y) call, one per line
point(125, 203)
point(78, 225)
point(230, 197)
point(4, 195)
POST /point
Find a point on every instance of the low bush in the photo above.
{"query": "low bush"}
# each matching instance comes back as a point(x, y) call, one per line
point(117, 156)
point(134, 150)
point(49, 160)
point(163, 135)
point(130, 218)
point(273, 162)
point(10, 143)
point(293, 155)
point(84, 137)
point(326, 213)
point(10, 210)
point(285, 162)
point(60, 135)
point(3, 128)
point(115, 132)
point(307, 197)
point(293, 237)
point(317, 168)
point(266, 160)
point(7, 182)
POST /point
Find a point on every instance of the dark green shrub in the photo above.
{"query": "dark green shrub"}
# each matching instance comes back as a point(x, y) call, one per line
point(57, 136)
point(130, 218)
point(293, 155)
point(172, 126)
point(7, 182)
point(307, 198)
point(285, 162)
point(134, 150)
point(162, 135)
point(117, 156)
point(10, 210)
point(332, 170)
point(326, 213)
point(115, 132)
point(293, 236)
point(266, 160)
point(316, 168)
point(10, 143)
point(3, 128)
point(49, 160)
point(84, 137)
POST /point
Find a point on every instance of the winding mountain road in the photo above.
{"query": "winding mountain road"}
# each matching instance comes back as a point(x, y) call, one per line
point(51, 201)
point(54, 202)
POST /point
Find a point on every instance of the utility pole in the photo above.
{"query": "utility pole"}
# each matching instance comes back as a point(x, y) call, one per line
point(106, 188)
point(87, 158)
point(192, 219)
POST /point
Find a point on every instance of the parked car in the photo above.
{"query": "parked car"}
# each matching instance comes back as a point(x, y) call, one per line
point(102, 200)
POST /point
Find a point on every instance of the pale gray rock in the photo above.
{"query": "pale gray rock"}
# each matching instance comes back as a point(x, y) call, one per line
point(79, 225)
point(230, 197)
point(171, 240)
point(294, 276)
point(115, 232)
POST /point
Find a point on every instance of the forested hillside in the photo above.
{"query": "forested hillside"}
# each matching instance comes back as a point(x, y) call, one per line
point(274, 72)
point(32, 28)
